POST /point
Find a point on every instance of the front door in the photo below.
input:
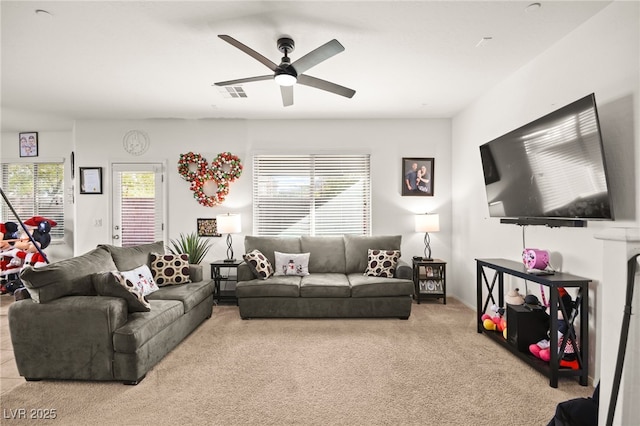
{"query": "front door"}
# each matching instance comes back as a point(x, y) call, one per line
point(138, 215)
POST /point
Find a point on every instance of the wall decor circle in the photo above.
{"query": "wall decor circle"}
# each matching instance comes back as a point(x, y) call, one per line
point(136, 142)
point(225, 169)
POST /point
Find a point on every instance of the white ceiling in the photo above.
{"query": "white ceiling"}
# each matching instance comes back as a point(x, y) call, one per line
point(140, 59)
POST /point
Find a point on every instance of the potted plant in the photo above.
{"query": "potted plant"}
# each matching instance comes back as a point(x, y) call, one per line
point(195, 247)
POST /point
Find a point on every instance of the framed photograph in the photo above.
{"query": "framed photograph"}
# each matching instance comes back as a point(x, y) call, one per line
point(28, 144)
point(91, 180)
point(417, 176)
point(208, 228)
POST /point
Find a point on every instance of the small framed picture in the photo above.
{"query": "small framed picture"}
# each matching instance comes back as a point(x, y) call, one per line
point(91, 180)
point(28, 144)
point(417, 176)
point(208, 228)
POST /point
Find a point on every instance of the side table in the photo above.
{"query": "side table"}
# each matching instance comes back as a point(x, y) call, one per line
point(430, 279)
point(225, 277)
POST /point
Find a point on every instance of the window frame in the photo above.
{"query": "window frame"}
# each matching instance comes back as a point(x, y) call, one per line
point(6, 214)
point(294, 208)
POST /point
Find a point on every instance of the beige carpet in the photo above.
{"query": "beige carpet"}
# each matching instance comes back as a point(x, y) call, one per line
point(433, 369)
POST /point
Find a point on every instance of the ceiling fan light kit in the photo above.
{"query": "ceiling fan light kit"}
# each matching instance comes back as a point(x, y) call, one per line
point(287, 74)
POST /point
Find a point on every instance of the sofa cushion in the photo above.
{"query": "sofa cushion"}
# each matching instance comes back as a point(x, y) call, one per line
point(142, 326)
point(357, 247)
point(259, 264)
point(327, 253)
point(269, 245)
point(170, 268)
point(325, 285)
point(127, 258)
point(69, 277)
point(291, 264)
point(190, 294)
point(114, 284)
point(276, 286)
point(382, 263)
point(366, 286)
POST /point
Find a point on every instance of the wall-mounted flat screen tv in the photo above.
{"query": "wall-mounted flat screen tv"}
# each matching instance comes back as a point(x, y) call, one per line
point(553, 167)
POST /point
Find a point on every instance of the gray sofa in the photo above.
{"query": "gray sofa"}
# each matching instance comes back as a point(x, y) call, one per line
point(67, 331)
point(336, 286)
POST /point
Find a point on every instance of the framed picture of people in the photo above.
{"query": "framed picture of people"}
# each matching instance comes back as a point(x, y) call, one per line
point(28, 144)
point(417, 176)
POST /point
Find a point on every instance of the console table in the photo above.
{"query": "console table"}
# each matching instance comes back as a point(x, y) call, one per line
point(551, 369)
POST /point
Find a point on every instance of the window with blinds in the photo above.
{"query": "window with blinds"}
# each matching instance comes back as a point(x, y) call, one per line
point(316, 195)
point(34, 189)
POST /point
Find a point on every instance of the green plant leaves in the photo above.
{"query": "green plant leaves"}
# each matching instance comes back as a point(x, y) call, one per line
point(192, 245)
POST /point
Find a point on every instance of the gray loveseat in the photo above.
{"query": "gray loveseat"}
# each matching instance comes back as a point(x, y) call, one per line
point(336, 286)
point(67, 331)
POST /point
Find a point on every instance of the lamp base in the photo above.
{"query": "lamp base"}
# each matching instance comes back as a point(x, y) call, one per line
point(428, 259)
point(229, 260)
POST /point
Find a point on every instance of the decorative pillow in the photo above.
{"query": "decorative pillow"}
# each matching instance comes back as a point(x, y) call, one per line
point(382, 263)
point(142, 278)
point(114, 284)
point(292, 264)
point(259, 264)
point(170, 268)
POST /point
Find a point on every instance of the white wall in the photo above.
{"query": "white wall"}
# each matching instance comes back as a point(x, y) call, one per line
point(601, 56)
point(99, 143)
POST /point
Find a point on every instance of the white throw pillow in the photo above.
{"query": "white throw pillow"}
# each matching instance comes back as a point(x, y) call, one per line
point(291, 264)
point(142, 278)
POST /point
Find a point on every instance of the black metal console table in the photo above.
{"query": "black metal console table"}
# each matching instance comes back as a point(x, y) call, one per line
point(559, 279)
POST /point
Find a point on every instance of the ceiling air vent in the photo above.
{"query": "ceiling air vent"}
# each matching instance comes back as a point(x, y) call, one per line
point(232, 92)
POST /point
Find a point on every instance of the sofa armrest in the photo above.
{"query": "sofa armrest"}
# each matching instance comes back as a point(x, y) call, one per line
point(67, 338)
point(404, 270)
point(245, 273)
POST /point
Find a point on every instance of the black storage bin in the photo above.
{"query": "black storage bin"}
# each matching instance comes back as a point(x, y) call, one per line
point(526, 326)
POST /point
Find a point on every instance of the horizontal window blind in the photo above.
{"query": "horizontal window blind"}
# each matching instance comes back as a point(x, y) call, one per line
point(311, 195)
point(34, 189)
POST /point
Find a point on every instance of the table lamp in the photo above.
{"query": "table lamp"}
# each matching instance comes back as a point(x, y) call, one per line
point(427, 223)
point(229, 224)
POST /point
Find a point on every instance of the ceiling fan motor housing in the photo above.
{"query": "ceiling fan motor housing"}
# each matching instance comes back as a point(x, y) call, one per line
point(286, 45)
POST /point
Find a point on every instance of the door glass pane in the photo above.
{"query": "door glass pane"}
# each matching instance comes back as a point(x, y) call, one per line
point(138, 207)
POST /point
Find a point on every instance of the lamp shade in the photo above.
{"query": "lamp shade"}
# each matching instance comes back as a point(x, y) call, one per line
point(427, 223)
point(228, 223)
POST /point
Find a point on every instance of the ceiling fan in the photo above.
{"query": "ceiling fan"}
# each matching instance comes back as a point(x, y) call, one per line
point(287, 73)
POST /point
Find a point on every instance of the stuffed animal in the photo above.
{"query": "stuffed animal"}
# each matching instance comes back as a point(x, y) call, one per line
point(542, 349)
point(496, 322)
point(514, 297)
point(17, 251)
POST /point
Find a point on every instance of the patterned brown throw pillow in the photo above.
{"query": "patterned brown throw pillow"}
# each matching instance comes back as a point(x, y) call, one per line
point(170, 269)
point(259, 264)
point(382, 263)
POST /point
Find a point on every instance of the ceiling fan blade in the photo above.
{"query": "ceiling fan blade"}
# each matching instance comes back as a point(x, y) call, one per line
point(244, 80)
point(318, 55)
point(249, 51)
point(307, 80)
point(287, 95)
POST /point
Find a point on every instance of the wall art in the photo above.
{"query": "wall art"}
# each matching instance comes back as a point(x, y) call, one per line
point(28, 144)
point(417, 176)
